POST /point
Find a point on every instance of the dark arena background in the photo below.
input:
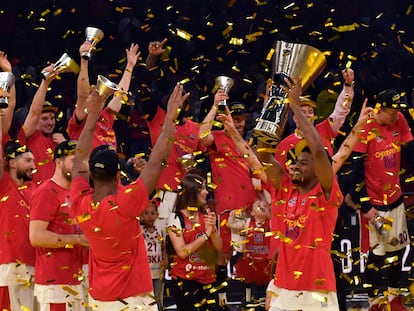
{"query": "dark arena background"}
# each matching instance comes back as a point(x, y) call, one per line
point(207, 38)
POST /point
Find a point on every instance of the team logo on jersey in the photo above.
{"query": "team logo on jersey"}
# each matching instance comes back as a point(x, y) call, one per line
point(292, 202)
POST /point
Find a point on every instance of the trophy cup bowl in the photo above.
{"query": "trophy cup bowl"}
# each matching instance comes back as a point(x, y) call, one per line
point(7, 80)
point(64, 64)
point(290, 60)
point(223, 83)
point(187, 161)
point(105, 87)
point(93, 35)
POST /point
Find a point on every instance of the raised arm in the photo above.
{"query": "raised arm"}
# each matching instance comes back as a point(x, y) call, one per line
point(35, 111)
point(132, 55)
point(344, 101)
point(206, 138)
point(82, 83)
point(2, 94)
point(349, 143)
point(94, 105)
point(155, 49)
point(320, 157)
point(159, 154)
point(242, 146)
point(8, 112)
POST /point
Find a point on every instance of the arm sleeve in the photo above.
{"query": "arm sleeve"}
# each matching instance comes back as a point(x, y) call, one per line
point(43, 206)
point(342, 108)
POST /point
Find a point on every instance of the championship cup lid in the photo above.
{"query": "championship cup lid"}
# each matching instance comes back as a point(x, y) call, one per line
point(237, 108)
point(65, 148)
point(390, 99)
point(48, 107)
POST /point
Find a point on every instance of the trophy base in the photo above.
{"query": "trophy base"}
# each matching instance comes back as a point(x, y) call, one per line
point(86, 55)
point(268, 132)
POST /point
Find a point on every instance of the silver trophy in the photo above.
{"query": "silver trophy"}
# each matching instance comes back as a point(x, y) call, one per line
point(64, 64)
point(7, 80)
point(187, 161)
point(105, 87)
point(290, 60)
point(93, 35)
point(382, 225)
point(223, 83)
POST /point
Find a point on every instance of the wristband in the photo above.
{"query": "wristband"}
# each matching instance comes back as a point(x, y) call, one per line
point(205, 236)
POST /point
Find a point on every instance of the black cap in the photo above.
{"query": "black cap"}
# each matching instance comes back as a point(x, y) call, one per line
point(237, 108)
point(104, 160)
point(390, 99)
point(65, 148)
point(12, 149)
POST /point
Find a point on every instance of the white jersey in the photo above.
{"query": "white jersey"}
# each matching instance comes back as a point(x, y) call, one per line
point(154, 241)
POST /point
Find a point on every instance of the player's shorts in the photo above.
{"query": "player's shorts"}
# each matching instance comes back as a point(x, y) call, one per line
point(392, 238)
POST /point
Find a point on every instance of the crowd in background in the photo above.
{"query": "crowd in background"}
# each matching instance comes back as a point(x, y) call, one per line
point(376, 39)
point(205, 40)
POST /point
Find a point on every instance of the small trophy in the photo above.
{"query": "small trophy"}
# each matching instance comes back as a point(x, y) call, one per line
point(64, 64)
point(7, 80)
point(105, 87)
point(93, 35)
point(187, 161)
point(223, 83)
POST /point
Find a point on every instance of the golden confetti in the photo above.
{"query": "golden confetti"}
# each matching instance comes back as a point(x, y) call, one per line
point(84, 217)
point(184, 34)
point(70, 290)
point(297, 274)
point(4, 199)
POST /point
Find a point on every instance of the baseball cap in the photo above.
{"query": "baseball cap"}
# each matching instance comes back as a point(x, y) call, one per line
point(65, 148)
point(237, 108)
point(104, 160)
point(12, 149)
point(390, 99)
point(48, 107)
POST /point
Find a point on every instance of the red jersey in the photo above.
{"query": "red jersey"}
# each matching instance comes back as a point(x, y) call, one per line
point(42, 148)
point(325, 132)
point(382, 145)
point(50, 202)
point(255, 265)
point(14, 222)
point(228, 167)
point(104, 133)
point(306, 223)
point(195, 267)
point(186, 141)
point(118, 263)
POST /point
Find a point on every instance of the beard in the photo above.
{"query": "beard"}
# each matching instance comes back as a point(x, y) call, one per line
point(24, 175)
point(67, 174)
point(297, 179)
